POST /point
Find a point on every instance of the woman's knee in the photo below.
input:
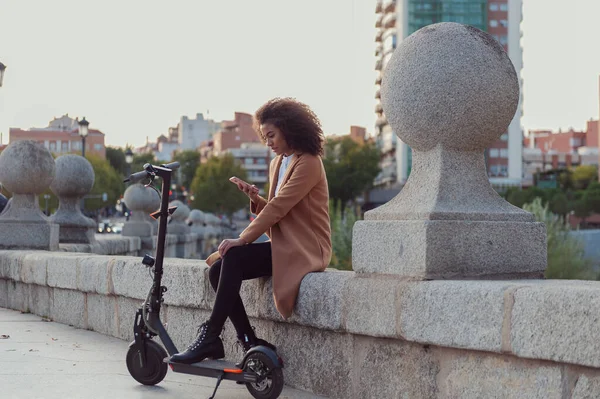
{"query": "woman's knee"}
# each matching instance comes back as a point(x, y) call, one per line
point(233, 256)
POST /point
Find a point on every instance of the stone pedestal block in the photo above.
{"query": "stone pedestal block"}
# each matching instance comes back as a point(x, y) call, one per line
point(449, 92)
point(137, 228)
point(33, 235)
point(438, 249)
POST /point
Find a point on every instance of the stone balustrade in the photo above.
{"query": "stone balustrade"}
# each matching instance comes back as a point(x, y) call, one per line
point(352, 335)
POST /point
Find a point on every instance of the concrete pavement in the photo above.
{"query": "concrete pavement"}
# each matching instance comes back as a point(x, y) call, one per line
point(47, 360)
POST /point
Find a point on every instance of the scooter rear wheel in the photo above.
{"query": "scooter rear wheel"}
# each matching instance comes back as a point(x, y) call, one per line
point(154, 370)
point(271, 383)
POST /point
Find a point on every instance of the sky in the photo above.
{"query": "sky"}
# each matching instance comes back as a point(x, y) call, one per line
point(134, 67)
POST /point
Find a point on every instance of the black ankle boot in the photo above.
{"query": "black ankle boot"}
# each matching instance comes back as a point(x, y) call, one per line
point(208, 344)
point(248, 341)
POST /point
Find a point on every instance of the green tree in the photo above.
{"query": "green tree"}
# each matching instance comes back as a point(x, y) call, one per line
point(592, 197)
point(559, 204)
point(107, 180)
point(116, 157)
point(350, 168)
point(521, 197)
point(189, 161)
point(583, 175)
point(582, 209)
point(565, 253)
point(213, 192)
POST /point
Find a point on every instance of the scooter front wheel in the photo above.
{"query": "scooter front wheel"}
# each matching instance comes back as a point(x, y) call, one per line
point(154, 369)
point(270, 382)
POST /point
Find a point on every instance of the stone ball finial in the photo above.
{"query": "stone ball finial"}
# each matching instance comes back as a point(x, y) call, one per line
point(26, 167)
point(178, 224)
point(450, 84)
point(448, 91)
point(74, 179)
point(26, 170)
point(140, 198)
point(142, 201)
point(182, 212)
point(196, 217)
point(74, 176)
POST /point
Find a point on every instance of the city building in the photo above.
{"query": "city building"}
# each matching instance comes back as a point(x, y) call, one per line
point(192, 132)
point(61, 136)
point(255, 158)
point(396, 20)
point(357, 133)
point(545, 150)
point(234, 133)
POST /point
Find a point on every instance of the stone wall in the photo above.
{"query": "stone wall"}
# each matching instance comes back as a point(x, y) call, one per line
point(352, 335)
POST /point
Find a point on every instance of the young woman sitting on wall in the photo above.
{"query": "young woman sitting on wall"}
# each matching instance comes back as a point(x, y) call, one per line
point(295, 217)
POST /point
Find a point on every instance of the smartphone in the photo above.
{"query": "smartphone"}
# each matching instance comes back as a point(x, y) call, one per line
point(236, 180)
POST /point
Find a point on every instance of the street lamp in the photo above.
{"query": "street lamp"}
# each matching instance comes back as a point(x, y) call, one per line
point(83, 132)
point(2, 68)
point(129, 160)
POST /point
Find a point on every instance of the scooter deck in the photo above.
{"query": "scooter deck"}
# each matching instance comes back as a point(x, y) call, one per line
point(213, 368)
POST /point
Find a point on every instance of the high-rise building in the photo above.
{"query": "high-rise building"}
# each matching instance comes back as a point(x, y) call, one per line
point(396, 20)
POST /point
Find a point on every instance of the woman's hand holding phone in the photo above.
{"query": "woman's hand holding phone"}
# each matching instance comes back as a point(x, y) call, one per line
point(249, 189)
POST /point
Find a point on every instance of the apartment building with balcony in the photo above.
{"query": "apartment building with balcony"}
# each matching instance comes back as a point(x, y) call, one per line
point(61, 136)
point(396, 20)
point(255, 158)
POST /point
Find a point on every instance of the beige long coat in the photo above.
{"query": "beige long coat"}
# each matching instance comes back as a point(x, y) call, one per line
point(297, 221)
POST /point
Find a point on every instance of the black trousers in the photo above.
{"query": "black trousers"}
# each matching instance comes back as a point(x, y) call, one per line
point(226, 276)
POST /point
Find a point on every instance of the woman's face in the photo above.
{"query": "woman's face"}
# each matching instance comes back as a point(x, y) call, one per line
point(275, 139)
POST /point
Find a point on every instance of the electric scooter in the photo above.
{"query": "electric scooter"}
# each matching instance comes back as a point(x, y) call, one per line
point(147, 361)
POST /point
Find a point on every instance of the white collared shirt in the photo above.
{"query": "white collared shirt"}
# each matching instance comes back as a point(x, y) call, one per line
point(284, 165)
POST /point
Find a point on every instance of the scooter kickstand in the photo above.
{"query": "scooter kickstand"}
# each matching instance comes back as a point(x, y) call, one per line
point(218, 383)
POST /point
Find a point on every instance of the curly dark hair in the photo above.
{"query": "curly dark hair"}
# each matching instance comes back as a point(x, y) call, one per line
point(298, 123)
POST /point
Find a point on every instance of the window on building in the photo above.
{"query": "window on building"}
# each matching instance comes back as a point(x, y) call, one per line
point(504, 153)
point(494, 153)
point(493, 6)
point(504, 170)
point(504, 23)
point(53, 146)
point(504, 137)
point(65, 147)
point(261, 161)
point(494, 169)
point(503, 40)
point(248, 161)
point(493, 23)
point(504, 7)
point(98, 147)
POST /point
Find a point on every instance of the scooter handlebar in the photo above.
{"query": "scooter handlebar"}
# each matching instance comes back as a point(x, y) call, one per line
point(136, 177)
point(172, 165)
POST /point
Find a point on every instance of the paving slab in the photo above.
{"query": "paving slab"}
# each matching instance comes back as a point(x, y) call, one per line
point(48, 360)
